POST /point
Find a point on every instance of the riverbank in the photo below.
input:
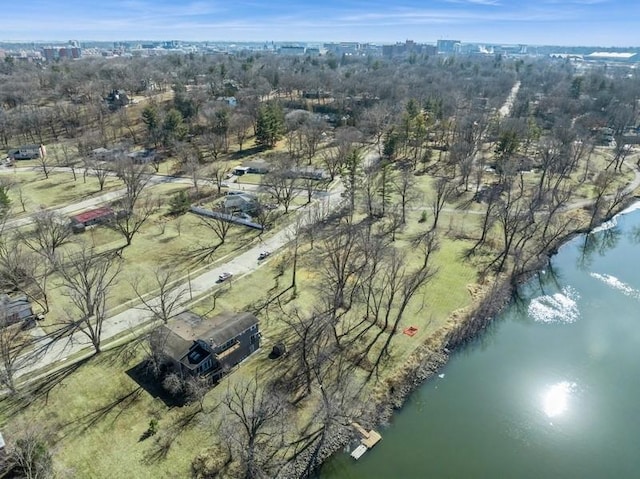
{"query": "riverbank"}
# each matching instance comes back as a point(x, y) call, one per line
point(462, 327)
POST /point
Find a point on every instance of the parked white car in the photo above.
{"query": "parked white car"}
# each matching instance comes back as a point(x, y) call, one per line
point(224, 276)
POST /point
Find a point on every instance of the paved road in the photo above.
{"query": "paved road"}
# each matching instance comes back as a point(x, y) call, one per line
point(106, 198)
point(132, 318)
point(505, 109)
point(244, 263)
point(114, 195)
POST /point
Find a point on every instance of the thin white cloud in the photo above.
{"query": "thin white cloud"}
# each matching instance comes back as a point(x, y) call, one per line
point(414, 16)
point(490, 3)
point(146, 9)
point(476, 20)
point(575, 2)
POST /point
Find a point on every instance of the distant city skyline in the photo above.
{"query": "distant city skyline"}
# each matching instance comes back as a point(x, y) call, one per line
point(536, 22)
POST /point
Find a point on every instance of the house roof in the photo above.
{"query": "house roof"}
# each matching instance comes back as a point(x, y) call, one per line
point(101, 151)
point(258, 163)
point(216, 331)
point(173, 345)
point(230, 329)
point(15, 306)
point(234, 201)
point(93, 214)
point(612, 55)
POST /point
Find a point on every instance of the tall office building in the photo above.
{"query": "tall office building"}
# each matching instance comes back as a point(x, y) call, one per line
point(448, 46)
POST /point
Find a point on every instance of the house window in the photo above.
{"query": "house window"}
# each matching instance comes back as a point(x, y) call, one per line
point(227, 345)
point(254, 338)
point(204, 367)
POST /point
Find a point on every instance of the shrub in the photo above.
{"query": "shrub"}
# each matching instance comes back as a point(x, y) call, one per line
point(180, 203)
point(173, 384)
point(153, 427)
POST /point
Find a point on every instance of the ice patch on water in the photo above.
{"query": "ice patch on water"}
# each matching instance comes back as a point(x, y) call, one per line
point(607, 225)
point(556, 308)
point(615, 283)
point(633, 207)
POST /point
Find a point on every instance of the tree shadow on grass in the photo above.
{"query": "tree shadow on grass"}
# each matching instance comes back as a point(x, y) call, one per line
point(153, 385)
point(123, 355)
point(238, 155)
point(258, 308)
point(88, 421)
point(36, 390)
point(164, 440)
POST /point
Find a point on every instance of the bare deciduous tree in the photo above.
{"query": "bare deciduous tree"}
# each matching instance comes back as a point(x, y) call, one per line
point(67, 160)
point(99, 169)
point(254, 426)
point(15, 346)
point(216, 174)
point(281, 183)
point(191, 165)
point(44, 164)
point(166, 294)
point(29, 454)
point(219, 226)
point(135, 177)
point(405, 188)
point(88, 278)
point(401, 285)
point(332, 161)
point(239, 124)
point(24, 271)
point(51, 231)
point(131, 217)
point(443, 192)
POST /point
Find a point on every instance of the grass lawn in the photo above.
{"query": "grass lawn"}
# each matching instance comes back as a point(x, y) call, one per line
point(58, 190)
point(168, 241)
point(98, 414)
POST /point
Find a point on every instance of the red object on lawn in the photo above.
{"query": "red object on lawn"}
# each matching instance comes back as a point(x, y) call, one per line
point(410, 331)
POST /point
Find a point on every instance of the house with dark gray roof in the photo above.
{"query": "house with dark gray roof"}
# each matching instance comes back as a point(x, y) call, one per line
point(259, 166)
point(117, 99)
point(245, 202)
point(27, 152)
point(15, 310)
point(209, 346)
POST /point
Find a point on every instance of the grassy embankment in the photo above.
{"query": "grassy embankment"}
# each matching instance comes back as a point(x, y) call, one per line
point(88, 405)
point(100, 400)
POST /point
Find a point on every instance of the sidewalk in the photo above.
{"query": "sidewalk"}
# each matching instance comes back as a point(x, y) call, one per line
point(57, 351)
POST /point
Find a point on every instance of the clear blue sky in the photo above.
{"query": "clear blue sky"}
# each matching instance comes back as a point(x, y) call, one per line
point(566, 22)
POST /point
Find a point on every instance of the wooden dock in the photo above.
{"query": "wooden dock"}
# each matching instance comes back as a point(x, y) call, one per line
point(368, 439)
point(359, 451)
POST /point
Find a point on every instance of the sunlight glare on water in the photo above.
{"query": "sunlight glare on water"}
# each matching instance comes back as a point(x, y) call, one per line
point(556, 308)
point(555, 399)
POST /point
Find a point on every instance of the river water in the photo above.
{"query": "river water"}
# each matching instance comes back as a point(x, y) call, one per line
point(551, 390)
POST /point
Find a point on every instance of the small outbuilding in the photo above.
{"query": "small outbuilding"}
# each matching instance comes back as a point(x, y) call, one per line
point(259, 166)
point(279, 349)
point(27, 152)
point(91, 218)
